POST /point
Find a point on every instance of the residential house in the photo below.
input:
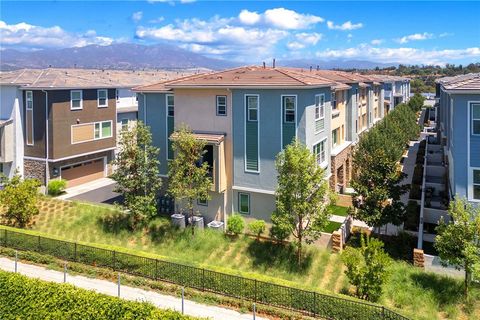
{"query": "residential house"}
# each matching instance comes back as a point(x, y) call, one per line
point(248, 115)
point(458, 124)
point(66, 119)
point(396, 90)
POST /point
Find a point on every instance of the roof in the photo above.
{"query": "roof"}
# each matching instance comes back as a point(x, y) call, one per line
point(84, 78)
point(470, 81)
point(387, 78)
point(216, 138)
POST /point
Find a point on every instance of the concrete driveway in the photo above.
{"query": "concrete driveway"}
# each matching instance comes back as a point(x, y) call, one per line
point(98, 191)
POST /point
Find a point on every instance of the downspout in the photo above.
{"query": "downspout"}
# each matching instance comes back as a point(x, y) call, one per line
point(46, 141)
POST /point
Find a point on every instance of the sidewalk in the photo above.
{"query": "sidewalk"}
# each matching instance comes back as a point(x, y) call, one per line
point(102, 286)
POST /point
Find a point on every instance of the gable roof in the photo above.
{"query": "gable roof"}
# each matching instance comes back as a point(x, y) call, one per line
point(470, 81)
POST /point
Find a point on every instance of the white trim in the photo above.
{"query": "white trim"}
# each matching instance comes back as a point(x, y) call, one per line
point(245, 108)
point(324, 164)
point(247, 189)
point(106, 98)
point(80, 125)
point(81, 100)
point(469, 168)
point(283, 116)
point(216, 105)
point(77, 155)
point(31, 121)
point(239, 203)
point(34, 158)
point(166, 119)
point(315, 119)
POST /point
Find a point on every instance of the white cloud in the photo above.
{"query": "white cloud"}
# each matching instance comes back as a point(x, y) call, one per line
point(415, 37)
point(289, 19)
point(295, 45)
point(27, 36)
point(249, 17)
point(376, 42)
point(445, 34)
point(137, 16)
point(401, 55)
point(156, 20)
point(309, 38)
point(344, 26)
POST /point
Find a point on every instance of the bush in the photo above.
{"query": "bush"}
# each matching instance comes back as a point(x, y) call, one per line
point(235, 224)
point(257, 227)
point(56, 187)
point(24, 298)
point(415, 192)
point(418, 174)
point(412, 216)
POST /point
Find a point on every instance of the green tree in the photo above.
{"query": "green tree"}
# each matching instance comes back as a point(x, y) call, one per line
point(235, 224)
point(458, 242)
point(257, 227)
point(19, 199)
point(367, 268)
point(416, 102)
point(302, 195)
point(189, 177)
point(137, 173)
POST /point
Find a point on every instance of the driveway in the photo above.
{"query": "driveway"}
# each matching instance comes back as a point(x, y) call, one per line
point(98, 191)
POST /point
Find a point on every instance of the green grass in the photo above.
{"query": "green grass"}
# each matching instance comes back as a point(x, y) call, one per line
point(418, 294)
point(331, 227)
point(339, 211)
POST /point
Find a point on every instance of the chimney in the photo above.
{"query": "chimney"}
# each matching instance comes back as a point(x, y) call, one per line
point(311, 68)
point(318, 67)
point(273, 63)
point(264, 65)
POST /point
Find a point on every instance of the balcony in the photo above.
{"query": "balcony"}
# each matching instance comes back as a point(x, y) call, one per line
point(6, 141)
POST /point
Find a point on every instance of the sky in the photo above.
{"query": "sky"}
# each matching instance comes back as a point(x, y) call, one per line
point(252, 31)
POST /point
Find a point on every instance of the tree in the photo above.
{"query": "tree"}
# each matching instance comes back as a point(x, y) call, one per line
point(376, 169)
point(458, 242)
point(416, 102)
point(189, 177)
point(137, 173)
point(302, 195)
point(235, 224)
point(257, 227)
point(367, 267)
point(19, 199)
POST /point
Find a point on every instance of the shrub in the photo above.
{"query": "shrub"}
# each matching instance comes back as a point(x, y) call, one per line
point(418, 174)
point(24, 298)
point(415, 192)
point(257, 227)
point(235, 224)
point(56, 187)
point(279, 231)
point(412, 216)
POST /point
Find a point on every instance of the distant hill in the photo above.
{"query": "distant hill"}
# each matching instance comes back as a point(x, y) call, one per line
point(115, 56)
point(159, 56)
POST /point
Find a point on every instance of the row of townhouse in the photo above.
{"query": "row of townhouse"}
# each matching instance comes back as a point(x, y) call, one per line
point(248, 115)
point(64, 123)
point(458, 123)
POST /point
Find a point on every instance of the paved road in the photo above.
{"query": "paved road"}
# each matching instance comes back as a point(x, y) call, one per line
point(102, 194)
point(102, 286)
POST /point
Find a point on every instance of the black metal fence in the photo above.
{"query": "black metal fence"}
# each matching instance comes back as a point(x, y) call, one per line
point(308, 302)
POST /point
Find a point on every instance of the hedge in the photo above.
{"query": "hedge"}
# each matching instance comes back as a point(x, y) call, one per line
point(25, 298)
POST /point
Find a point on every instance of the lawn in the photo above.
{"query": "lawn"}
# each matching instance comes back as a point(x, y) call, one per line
point(418, 294)
point(339, 211)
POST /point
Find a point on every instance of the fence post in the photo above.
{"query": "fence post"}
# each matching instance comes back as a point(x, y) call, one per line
point(183, 300)
point(39, 247)
point(65, 272)
point(114, 260)
point(5, 237)
point(254, 310)
point(75, 252)
point(156, 269)
point(16, 258)
point(203, 279)
point(255, 291)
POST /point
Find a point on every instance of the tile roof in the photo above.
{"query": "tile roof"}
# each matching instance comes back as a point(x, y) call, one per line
point(470, 81)
point(84, 78)
point(216, 138)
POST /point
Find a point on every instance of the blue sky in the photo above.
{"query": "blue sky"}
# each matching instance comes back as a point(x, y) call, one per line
point(253, 31)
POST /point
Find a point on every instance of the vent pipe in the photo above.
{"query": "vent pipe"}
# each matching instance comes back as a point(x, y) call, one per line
point(273, 63)
point(264, 65)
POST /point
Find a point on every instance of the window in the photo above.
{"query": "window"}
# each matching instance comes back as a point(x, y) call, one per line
point(102, 98)
point(29, 98)
point(221, 105)
point(289, 103)
point(252, 108)
point(170, 106)
point(319, 106)
point(334, 137)
point(116, 95)
point(244, 203)
point(334, 100)
point(319, 152)
point(476, 184)
point(76, 100)
point(103, 130)
point(476, 118)
point(124, 123)
point(201, 202)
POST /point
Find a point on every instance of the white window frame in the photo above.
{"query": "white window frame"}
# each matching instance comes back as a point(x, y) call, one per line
point(323, 163)
point(284, 108)
point(334, 100)
point(124, 124)
point(98, 98)
point(251, 108)
point(81, 100)
point(240, 194)
point(101, 127)
point(473, 119)
point(337, 136)
point(167, 107)
point(320, 106)
point(203, 203)
point(27, 100)
point(473, 184)
point(221, 105)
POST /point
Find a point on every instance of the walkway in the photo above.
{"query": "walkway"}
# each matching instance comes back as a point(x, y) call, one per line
point(102, 286)
point(99, 191)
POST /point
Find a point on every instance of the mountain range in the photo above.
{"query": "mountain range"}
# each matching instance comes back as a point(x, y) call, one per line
point(137, 56)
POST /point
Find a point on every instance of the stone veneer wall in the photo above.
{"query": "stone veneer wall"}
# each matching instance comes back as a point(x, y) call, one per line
point(418, 258)
point(34, 169)
point(343, 158)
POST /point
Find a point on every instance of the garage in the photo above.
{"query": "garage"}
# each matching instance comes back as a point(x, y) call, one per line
point(87, 171)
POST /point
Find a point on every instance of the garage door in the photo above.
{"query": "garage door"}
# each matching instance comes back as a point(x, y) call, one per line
point(83, 172)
